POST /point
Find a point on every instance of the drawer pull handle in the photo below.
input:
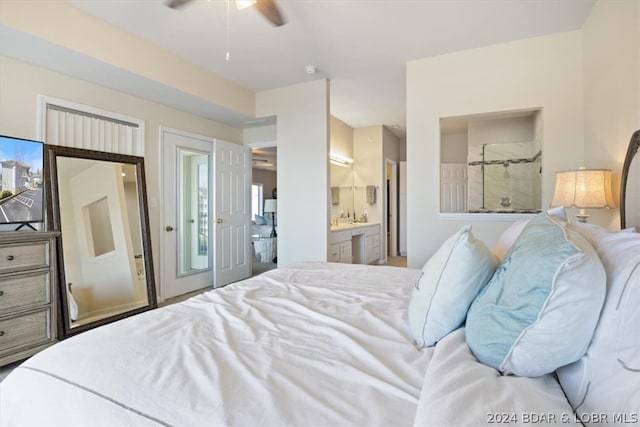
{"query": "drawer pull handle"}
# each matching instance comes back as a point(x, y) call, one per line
point(1, 293)
point(1, 333)
point(9, 257)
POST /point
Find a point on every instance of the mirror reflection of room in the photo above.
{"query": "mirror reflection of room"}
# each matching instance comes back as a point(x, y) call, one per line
point(491, 163)
point(101, 237)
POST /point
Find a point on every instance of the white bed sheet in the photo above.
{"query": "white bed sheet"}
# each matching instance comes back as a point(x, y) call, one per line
point(460, 391)
point(312, 345)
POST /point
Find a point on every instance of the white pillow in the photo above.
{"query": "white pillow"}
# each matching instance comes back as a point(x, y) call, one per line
point(541, 306)
point(558, 212)
point(607, 379)
point(450, 281)
point(592, 232)
point(508, 238)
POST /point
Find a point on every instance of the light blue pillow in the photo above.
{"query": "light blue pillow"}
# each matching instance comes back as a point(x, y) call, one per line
point(450, 281)
point(260, 220)
point(541, 307)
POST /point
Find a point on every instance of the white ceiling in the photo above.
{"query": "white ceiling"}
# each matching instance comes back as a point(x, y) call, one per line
point(361, 46)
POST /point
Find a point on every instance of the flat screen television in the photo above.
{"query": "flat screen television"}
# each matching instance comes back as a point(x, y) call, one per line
point(21, 182)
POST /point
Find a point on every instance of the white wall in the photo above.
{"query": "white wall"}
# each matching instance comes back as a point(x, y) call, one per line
point(543, 72)
point(260, 136)
point(390, 146)
point(403, 149)
point(302, 111)
point(67, 27)
point(268, 179)
point(368, 168)
point(611, 44)
point(341, 142)
point(21, 83)
point(454, 148)
point(498, 131)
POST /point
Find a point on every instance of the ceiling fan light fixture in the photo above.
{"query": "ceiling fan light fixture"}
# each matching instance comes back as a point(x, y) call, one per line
point(243, 4)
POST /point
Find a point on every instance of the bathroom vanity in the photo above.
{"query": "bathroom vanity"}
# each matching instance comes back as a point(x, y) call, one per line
point(355, 243)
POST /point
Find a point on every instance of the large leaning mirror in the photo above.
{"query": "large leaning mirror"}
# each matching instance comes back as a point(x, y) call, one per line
point(98, 203)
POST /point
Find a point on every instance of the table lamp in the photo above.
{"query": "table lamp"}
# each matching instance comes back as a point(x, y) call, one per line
point(583, 189)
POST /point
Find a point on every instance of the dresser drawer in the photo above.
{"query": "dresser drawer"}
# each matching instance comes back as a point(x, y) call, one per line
point(24, 331)
point(24, 256)
point(23, 291)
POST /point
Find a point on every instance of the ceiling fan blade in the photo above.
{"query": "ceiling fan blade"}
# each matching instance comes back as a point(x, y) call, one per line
point(269, 10)
point(176, 3)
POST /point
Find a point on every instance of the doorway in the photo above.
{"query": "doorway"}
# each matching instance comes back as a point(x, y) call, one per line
point(391, 208)
point(206, 208)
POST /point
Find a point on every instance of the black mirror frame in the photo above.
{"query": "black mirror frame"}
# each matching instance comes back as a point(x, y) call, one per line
point(52, 152)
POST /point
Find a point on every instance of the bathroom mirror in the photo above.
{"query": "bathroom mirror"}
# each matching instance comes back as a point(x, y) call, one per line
point(342, 191)
point(97, 201)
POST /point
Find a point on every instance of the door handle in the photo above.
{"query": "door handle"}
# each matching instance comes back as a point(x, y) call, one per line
point(218, 220)
point(168, 228)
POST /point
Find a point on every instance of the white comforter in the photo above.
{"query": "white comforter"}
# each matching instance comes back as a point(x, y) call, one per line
point(313, 345)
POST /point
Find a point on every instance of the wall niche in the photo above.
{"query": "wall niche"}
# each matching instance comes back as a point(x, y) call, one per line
point(491, 163)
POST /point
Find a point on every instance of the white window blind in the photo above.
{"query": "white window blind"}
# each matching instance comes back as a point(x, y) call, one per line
point(80, 129)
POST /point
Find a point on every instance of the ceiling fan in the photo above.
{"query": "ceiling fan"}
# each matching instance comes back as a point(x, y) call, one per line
point(267, 8)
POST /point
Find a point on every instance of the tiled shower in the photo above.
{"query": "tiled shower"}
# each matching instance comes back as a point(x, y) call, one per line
point(504, 177)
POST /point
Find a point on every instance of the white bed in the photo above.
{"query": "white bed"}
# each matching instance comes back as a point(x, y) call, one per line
point(316, 344)
point(321, 344)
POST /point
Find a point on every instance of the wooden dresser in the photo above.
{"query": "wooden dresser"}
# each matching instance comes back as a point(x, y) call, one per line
point(27, 293)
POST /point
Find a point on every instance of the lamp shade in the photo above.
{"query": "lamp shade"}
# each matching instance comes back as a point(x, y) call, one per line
point(271, 205)
point(243, 4)
point(565, 189)
point(584, 188)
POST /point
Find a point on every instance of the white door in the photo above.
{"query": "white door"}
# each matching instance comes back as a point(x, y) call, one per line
point(232, 234)
point(187, 229)
point(453, 187)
